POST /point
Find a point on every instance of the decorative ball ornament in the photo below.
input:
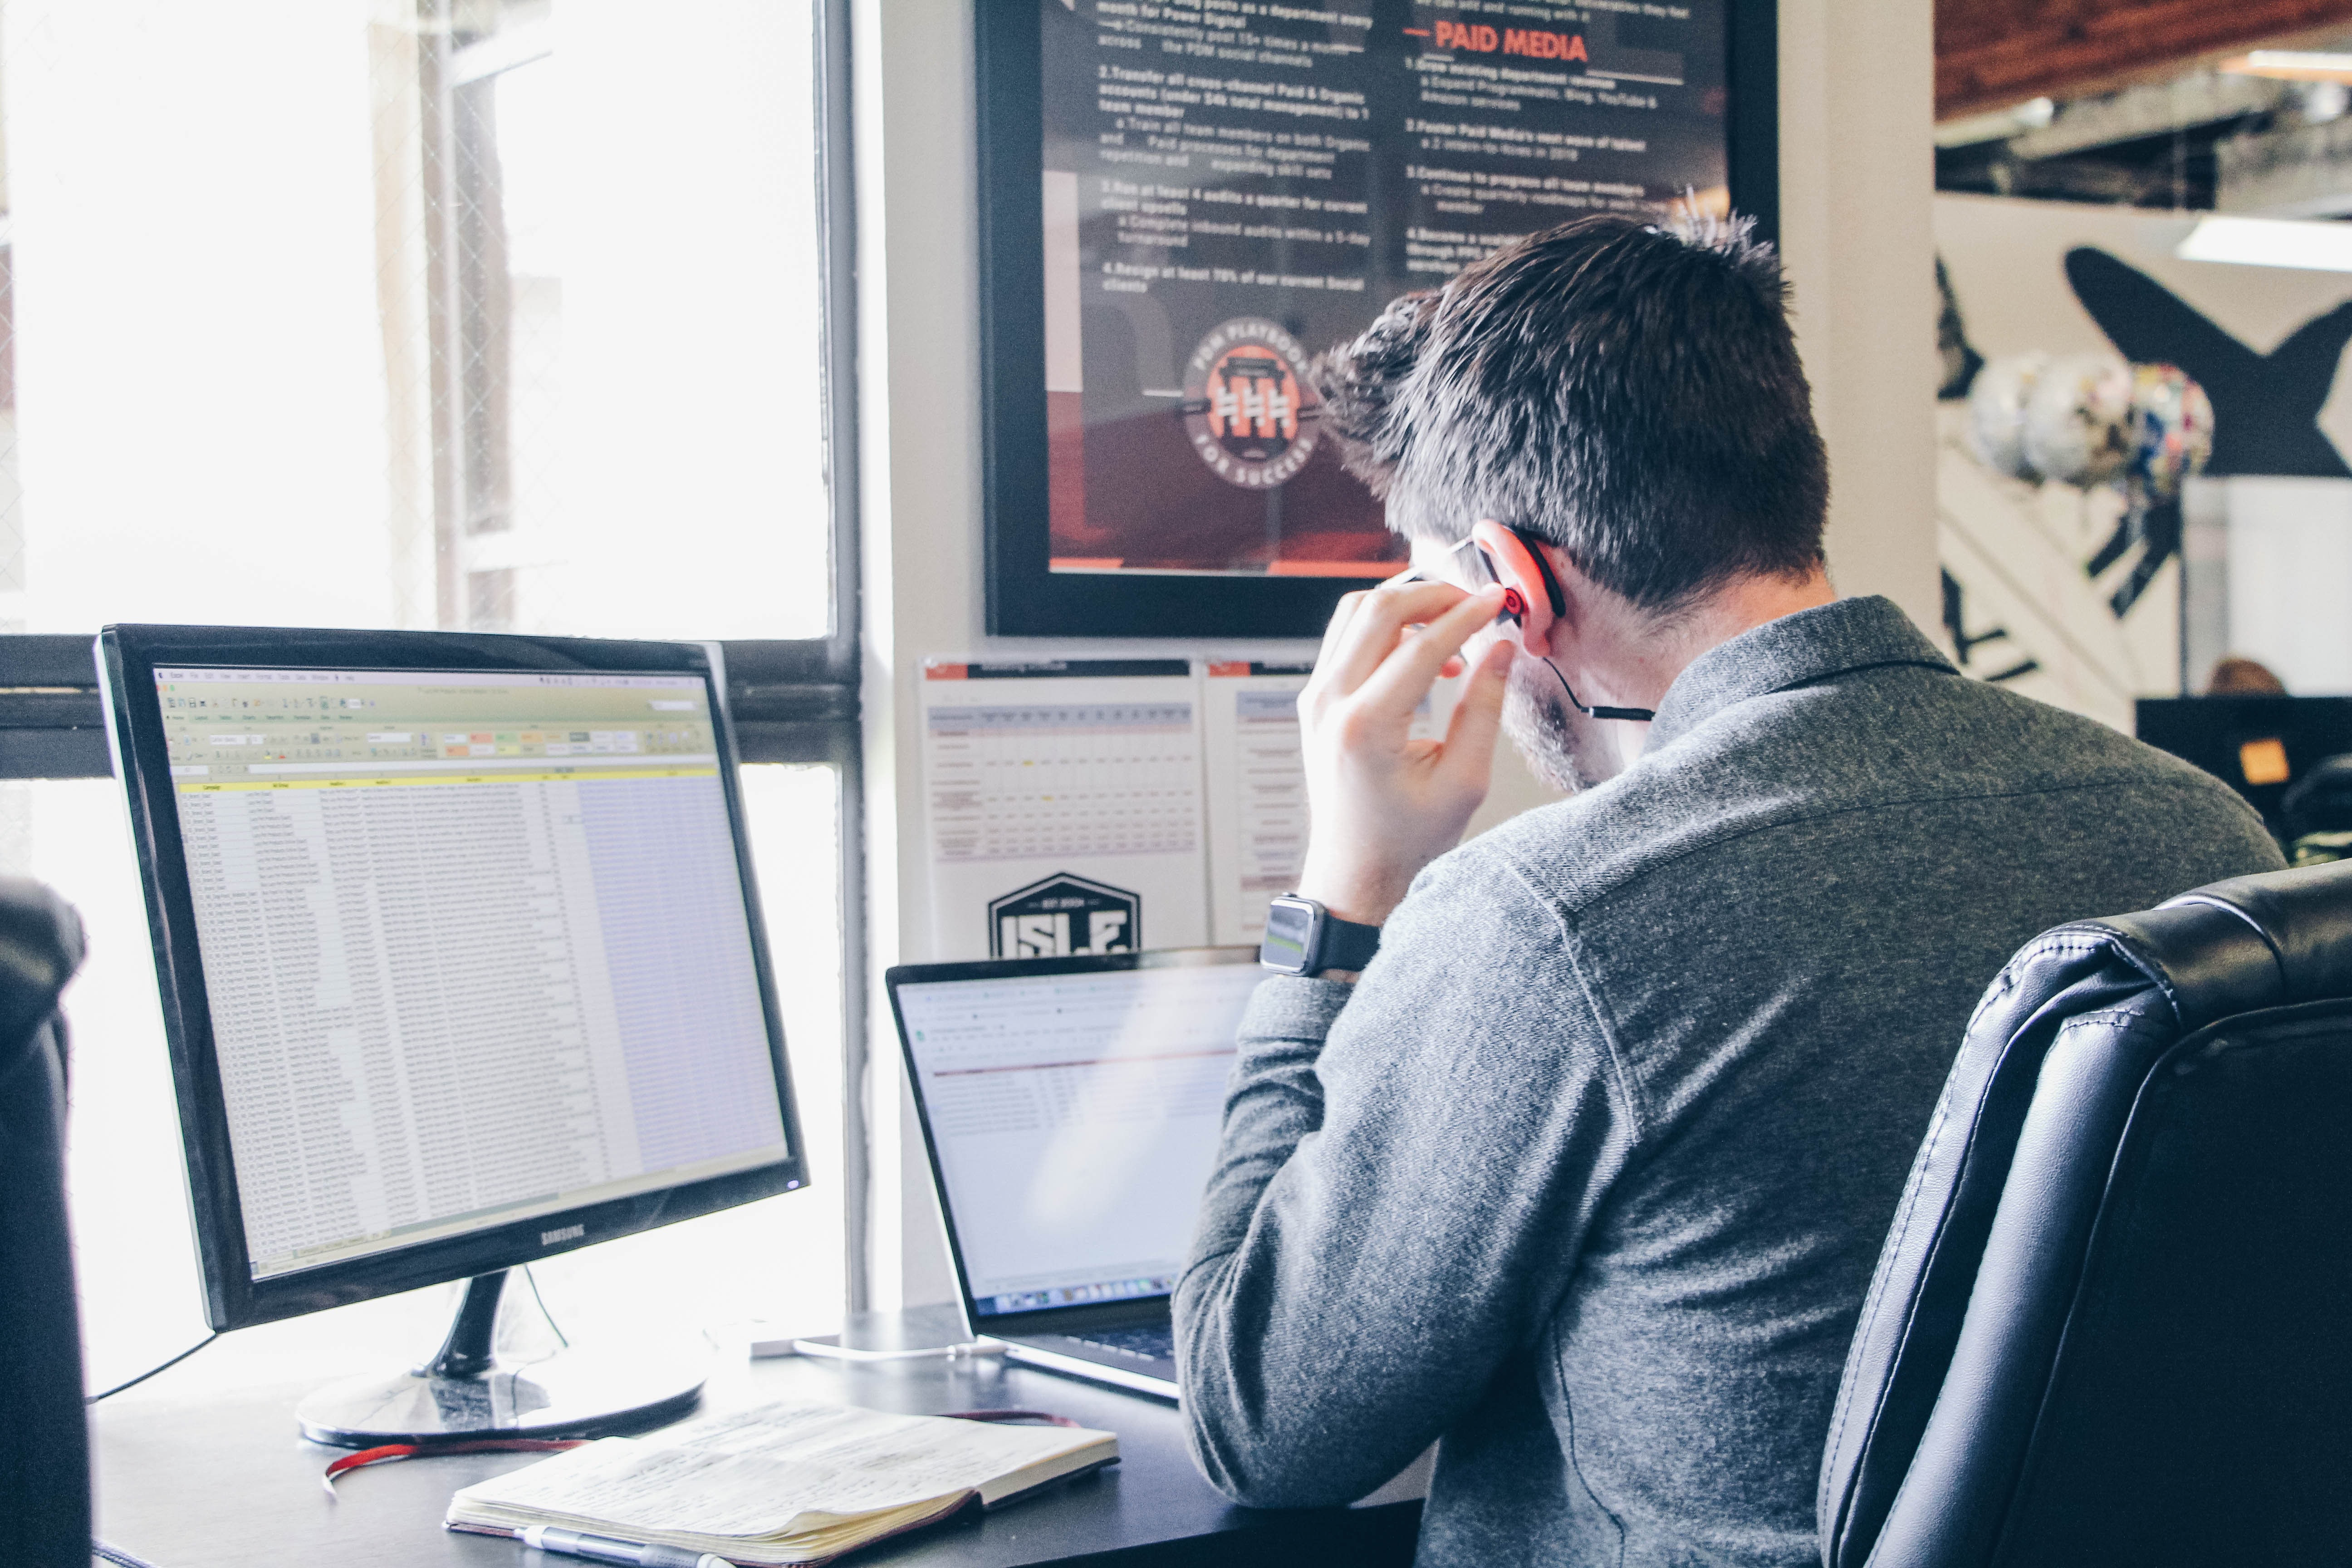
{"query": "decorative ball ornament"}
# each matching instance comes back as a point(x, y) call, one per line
point(2174, 421)
point(2091, 420)
point(2080, 427)
point(1996, 414)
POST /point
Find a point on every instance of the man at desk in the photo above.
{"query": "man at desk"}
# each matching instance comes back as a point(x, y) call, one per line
point(1588, 1173)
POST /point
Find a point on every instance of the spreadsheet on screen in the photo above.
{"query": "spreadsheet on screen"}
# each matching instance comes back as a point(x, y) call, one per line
point(1075, 1118)
point(475, 946)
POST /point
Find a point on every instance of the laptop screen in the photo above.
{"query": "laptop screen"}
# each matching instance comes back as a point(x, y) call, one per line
point(1074, 1118)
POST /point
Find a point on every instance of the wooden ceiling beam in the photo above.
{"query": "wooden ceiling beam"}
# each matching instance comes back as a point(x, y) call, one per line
point(1990, 54)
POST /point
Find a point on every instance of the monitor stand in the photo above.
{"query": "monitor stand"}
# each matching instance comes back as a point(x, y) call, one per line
point(468, 1392)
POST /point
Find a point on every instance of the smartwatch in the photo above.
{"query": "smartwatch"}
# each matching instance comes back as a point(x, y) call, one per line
point(1304, 938)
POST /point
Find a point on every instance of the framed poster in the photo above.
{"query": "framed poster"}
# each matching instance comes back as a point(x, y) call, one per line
point(1184, 201)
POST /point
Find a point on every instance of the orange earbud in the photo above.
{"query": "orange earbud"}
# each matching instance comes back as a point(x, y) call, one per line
point(1531, 596)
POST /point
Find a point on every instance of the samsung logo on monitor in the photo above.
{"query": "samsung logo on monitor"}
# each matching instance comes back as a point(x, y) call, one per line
point(569, 1233)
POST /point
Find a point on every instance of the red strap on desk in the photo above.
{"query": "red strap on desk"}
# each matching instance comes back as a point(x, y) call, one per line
point(388, 1452)
point(1045, 1417)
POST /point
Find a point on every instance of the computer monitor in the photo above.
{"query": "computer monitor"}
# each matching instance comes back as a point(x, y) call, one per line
point(1072, 1107)
point(2259, 746)
point(461, 966)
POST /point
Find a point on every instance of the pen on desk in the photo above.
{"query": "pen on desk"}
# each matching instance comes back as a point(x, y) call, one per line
point(604, 1549)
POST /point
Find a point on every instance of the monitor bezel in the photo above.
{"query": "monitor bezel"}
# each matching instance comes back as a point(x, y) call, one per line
point(1022, 969)
point(128, 658)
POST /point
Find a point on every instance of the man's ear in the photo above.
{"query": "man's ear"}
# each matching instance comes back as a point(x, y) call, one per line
point(1571, 586)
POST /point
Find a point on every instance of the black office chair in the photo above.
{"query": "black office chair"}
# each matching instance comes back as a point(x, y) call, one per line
point(2320, 801)
point(2113, 1321)
point(43, 1442)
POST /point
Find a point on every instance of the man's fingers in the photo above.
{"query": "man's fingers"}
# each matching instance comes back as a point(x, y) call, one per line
point(1370, 636)
point(1469, 755)
point(1407, 674)
point(1318, 679)
point(1337, 627)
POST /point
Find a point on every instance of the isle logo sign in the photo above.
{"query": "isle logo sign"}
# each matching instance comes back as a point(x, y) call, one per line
point(1065, 915)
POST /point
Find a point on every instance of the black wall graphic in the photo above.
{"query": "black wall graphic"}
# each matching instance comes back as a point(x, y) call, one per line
point(1961, 359)
point(2155, 527)
point(2266, 407)
point(1965, 642)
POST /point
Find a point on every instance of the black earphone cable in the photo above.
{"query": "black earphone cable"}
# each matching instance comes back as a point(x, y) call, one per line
point(1634, 715)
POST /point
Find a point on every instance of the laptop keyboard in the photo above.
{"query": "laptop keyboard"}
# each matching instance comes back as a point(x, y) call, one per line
point(1154, 1343)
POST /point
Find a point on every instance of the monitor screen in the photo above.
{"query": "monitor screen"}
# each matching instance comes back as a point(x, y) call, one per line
point(1214, 216)
point(476, 947)
point(1074, 1118)
point(2260, 746)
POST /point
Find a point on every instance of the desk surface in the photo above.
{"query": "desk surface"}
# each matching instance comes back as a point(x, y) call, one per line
point(226, 1483)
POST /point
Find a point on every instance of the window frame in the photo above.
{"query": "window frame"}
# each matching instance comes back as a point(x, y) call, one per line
point(793, 701)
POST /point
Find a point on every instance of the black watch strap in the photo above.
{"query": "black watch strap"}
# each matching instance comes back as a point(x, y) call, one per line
point(1345, 945)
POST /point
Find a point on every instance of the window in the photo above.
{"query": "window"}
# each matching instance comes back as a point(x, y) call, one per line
point(473, 314)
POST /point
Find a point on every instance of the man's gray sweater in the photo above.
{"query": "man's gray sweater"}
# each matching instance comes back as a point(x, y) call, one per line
point(1589, 1173)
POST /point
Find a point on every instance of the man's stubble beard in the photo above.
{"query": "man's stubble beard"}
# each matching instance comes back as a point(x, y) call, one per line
point(1536, 718)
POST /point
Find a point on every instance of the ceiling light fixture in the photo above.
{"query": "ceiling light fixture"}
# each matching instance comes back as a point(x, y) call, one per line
point(1998, 126)
point(2292, 64)
point(2270, 242)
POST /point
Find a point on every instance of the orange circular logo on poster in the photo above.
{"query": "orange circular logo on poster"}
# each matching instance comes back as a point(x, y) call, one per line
point(1249, 412)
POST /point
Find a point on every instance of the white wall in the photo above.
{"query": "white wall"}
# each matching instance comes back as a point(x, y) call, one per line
point(1857, 233)
point(1856, 183)
point(2289, 554)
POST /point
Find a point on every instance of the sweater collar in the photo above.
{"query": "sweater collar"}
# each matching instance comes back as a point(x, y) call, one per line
point(1795, 650)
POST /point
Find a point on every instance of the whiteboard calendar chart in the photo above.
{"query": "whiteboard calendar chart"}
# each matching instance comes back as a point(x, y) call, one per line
point(1257, 785)
point(1257, 792)
point(1065, 807)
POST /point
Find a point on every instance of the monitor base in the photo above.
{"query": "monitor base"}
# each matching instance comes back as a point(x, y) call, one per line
point(470, 1392)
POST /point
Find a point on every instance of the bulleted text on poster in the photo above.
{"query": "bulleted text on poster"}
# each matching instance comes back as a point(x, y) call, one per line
point(1233, 186)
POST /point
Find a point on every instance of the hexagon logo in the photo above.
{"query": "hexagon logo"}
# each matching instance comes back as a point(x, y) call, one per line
point(1063, 915)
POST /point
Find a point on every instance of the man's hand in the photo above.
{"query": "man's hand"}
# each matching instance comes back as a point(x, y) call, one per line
point(1383, 804)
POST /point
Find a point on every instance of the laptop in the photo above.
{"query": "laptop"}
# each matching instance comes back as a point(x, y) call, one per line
point(1072, 1107)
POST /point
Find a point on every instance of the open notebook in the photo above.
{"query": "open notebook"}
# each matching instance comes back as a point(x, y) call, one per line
point(791, 1482)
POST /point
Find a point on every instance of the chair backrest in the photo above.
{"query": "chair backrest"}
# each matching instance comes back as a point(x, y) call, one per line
point(44, 1441)
point(2113, 1320)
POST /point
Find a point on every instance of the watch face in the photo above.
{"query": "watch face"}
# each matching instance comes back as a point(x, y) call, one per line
point(1289, 923)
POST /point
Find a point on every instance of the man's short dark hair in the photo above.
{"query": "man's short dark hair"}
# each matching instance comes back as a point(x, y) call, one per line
point(1628, 391)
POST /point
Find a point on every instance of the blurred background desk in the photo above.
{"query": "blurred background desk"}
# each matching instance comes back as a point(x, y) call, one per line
point(226, 1483)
